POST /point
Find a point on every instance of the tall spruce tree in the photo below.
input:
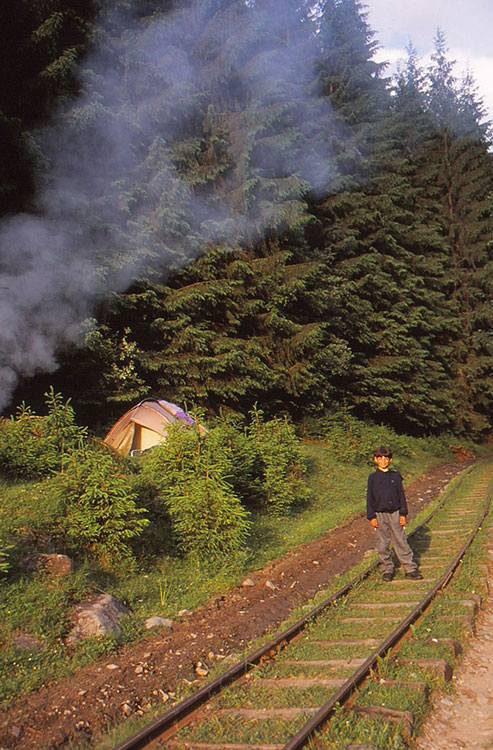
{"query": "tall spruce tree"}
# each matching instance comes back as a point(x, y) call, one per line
point(462, 160)
point(429, 279)
point(351, 215)
point(393, 260)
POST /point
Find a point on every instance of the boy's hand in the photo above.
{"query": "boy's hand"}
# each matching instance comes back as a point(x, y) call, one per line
point(402, 520)
point(374, 523)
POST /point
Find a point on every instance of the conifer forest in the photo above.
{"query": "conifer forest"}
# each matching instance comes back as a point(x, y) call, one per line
point(230, 202)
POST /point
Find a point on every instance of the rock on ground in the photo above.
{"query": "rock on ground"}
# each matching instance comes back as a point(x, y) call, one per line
point(96, 617)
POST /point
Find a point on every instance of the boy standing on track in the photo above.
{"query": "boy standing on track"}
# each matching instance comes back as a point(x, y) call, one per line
point(386, 510)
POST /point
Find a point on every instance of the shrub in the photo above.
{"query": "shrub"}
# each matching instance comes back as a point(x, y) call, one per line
point(352, 441)
point(30, 518)
point(158, 536)
point(32, 446)
point(207, 517)
point(100, 511)
point(280, 462)
point(239, 457)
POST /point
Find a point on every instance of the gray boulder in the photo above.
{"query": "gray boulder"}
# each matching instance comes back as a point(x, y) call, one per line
point(96, 617)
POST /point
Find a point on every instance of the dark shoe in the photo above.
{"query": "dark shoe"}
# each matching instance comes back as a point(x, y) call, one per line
point(415, 575)
point(387, 576)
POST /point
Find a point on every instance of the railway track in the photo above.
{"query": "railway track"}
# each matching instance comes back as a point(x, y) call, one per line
point(329, 674)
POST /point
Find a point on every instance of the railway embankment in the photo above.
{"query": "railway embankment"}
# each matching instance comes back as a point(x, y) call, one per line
point(359, 670)
point(150, 676)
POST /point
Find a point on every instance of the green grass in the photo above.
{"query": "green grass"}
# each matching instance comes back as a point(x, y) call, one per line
point(307, 649)
point(237, 729)
point(394, 594)
point(428, 649)
point(346, 729)
point(308, 671)
point(389, 669)
point(258, 696)
point(400, 697)
point(387, 612)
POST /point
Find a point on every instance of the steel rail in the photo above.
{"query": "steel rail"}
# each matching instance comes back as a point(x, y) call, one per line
point(186, 707)
point(201, 696)
point(343, 693)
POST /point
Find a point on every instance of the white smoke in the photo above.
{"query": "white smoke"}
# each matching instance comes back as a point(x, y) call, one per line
point(112, 202)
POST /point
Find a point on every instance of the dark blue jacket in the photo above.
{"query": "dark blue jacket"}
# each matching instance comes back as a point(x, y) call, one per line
point(385, 494)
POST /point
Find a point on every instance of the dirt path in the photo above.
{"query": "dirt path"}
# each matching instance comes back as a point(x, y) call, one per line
point(465, 720)
point(143, 673)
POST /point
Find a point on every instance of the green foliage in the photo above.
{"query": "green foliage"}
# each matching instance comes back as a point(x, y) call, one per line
point(85, 503)
point(206, 481)
point(280, 461)
point(190, 495)
point(206, 516)
point(157, 538)
point(100, 514)
point(122, 380)
point(42, 42)
point(351, 440)
point(41, 45)
point(42, 605)
point(32, 446)
point(342, 246)
point(229, 438)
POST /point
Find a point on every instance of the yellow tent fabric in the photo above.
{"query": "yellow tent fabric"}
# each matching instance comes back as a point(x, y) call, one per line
point(145, 425)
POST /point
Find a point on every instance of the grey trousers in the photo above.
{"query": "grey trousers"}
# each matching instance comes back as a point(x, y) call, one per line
point(389, 530)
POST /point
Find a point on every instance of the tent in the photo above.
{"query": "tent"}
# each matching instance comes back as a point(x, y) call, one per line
point(145, 425)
